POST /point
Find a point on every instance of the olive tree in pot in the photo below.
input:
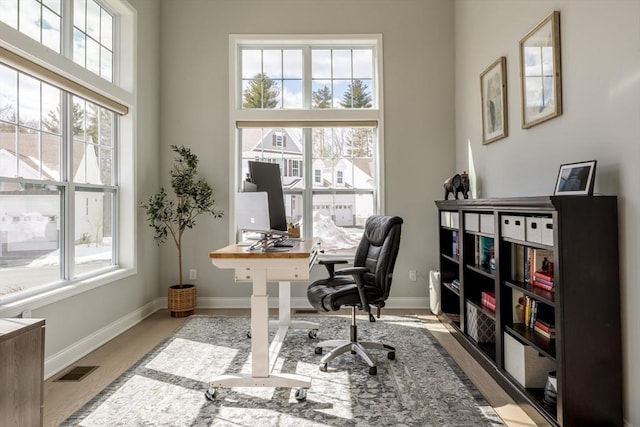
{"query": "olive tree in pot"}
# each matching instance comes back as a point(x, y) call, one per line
point(173, 216)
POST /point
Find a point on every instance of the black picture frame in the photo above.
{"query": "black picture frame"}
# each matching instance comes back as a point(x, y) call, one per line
point(576, 178)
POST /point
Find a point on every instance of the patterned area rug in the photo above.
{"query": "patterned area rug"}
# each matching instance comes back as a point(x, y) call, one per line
point(422, 387)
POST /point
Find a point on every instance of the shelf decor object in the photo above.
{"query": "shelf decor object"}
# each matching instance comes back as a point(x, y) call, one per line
point(493, 91)
point(546, 304)
point(576, 178)
point(540, 72)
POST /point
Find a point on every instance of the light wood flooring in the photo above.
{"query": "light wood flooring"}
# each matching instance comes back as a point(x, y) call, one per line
point(62, 399)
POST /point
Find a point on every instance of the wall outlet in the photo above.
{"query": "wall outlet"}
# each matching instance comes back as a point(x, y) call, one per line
point(412, 275)
point(193, 274)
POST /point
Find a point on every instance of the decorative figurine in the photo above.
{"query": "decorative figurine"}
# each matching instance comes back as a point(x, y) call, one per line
point(459, 183)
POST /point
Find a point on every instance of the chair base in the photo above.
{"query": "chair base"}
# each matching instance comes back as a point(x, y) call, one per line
point(355, 346)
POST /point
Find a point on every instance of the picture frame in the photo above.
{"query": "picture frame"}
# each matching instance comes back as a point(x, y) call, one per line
point(576, 178)
point(493, 93)
point(541, 72)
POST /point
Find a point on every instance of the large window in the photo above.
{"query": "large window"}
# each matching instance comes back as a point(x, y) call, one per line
point(314, 107)
point(59, 150)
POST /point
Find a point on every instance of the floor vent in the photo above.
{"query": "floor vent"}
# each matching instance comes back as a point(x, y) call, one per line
point(305, 311)
point(77, 373)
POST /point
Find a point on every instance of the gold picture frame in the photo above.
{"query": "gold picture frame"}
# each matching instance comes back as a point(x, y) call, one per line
point(541, 73)
point(493, 92)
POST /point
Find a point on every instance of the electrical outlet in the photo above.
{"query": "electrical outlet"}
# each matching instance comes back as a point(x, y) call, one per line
point(193, 274)
point(412, 275)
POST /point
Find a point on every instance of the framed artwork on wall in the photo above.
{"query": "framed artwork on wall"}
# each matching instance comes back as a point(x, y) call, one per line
point(493, 91)
point(576, 179)
point(540, 72)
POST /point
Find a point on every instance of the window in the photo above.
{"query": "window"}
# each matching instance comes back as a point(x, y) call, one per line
point(60, 151)
point(312, 105)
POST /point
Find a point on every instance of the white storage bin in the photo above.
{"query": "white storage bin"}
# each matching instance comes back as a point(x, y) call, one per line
point(525, 364)
point(512, 227)
point(547, 231)
point(445, 219)
point(534, 229)
point(487, 224)
point(455, 220)
point(471, 221)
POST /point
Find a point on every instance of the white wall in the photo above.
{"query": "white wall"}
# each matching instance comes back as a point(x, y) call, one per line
point(601, 120)
point(418, 123)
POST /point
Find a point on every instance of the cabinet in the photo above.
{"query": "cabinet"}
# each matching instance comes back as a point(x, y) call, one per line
point(21, 371)
point(568, 246)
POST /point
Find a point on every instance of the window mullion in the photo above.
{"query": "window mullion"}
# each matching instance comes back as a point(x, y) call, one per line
point(66, 32)
point(67, 203)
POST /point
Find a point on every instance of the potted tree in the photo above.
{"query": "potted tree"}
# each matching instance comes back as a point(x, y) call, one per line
point(173, 216)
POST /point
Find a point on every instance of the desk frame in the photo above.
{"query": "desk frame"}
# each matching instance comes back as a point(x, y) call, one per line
point(259, 267)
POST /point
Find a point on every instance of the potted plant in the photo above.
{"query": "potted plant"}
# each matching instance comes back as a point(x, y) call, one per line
point(173, 216)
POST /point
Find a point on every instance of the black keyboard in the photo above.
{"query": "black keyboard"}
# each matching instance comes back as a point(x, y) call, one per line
point(286, 243)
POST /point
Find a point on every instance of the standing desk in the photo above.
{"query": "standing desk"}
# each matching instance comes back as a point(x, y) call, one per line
point(257, 267)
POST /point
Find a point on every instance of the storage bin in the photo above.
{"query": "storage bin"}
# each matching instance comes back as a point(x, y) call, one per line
point(487, 224)
point(445, 219)
point(534, 229)
point(546, 231)
point(471, 221)
point(455, 220)
point(525, 364)
point(512, 227)
point(480, 327)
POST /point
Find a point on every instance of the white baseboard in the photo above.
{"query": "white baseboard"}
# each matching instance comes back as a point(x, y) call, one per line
point(81, 348)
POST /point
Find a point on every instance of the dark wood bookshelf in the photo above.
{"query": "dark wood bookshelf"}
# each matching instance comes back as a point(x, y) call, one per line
point(582, 234)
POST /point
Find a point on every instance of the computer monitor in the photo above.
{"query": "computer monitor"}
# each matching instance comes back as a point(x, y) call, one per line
point(267, 178)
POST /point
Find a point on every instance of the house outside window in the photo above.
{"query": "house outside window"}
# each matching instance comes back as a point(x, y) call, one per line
point(322, 97)
point(59, 149)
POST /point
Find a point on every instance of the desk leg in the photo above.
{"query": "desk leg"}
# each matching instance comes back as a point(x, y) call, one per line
point(284, 312)
point(260, 325)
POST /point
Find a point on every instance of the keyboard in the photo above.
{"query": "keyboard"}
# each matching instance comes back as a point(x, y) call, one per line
point(287, 243)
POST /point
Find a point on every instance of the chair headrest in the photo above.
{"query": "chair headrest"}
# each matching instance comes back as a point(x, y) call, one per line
point(377, 227)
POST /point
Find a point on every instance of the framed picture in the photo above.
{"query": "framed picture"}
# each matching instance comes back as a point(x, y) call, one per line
point(576, 178)
point(540, 72)
point(493, 91)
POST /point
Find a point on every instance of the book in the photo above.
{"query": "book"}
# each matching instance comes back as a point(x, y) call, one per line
point(488, 300)
point(543, 278)
point(544, 333)
point(544, 326)
point(487, 253)
point(538, 284)
point(539, 261)
point(517, 262)
point(454, 245)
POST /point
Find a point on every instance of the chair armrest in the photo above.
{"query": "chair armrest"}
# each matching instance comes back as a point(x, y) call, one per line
point(330, 265)
point(357, 273)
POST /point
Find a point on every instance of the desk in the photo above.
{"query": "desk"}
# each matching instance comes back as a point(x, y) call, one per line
point(259, 267)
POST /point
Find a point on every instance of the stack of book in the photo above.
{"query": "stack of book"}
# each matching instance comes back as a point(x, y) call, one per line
point(543, 280)
point(544, 328)
point(488, 301)
point(455, 284)
point(455, 249)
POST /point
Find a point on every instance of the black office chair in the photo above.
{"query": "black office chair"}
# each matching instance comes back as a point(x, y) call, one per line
point(365, 284)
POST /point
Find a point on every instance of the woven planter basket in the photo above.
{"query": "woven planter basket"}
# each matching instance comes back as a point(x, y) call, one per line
point(182, 301)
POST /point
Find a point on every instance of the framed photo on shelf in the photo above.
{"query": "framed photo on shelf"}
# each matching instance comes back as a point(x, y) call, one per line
point(540, 72)
point(493, 91)
point(576, 179)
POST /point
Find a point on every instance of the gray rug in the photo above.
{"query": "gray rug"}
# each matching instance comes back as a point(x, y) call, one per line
point(422, 387)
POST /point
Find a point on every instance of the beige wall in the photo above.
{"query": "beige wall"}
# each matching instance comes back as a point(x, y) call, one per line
point(601, 120)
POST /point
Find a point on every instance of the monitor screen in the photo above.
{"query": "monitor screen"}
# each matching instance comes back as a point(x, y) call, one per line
point(266, 177)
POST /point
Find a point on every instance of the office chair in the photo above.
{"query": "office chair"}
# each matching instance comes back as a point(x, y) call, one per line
point(365, 284)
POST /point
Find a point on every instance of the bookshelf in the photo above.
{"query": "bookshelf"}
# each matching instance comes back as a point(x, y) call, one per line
point(549, 266)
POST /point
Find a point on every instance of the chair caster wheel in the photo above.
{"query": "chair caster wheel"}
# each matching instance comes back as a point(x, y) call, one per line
point(249, 334)
point(301, 394)
point(210, 394)
point(317, 350)
point(373, 370)
point(391, 355)
point(313, 334)
point(323, 367)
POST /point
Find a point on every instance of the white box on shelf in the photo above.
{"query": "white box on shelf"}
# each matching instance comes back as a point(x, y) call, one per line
point(445, 219)
point(534, 229)
point(480, 327)
point(512, 227)
point(455, 220)
point(471, 221)
point(486, 224)
point(547, 231)
point(525, 364)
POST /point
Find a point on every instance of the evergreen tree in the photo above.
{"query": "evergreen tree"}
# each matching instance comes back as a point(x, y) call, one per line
point(261, 93)
point(356, 96)
point(322, 98)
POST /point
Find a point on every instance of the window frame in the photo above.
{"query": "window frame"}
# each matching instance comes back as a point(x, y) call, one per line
point(307, 117)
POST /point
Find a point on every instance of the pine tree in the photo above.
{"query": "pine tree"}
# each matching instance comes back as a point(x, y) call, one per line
point(261, 93)
point(356, 96)
point(322, 98)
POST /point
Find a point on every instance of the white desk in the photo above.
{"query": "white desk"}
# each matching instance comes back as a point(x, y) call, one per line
point(259, 268)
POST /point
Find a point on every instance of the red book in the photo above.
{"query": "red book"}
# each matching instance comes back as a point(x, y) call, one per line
point(544, 276)
point(541, 285)
point(544, 326)
point(543, 280)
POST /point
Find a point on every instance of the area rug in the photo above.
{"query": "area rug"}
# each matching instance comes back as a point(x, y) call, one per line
point(422, 387)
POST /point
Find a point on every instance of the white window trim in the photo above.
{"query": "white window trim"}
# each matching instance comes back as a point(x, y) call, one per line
point(268, 118)
point(125, 92)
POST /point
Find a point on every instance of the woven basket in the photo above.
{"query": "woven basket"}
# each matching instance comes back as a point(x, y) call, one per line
point(182, 301)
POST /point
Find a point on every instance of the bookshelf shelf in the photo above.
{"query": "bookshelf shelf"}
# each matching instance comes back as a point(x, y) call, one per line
point(552, 241)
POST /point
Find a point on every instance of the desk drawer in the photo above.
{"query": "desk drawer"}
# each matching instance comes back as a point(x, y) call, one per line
point(274, 275)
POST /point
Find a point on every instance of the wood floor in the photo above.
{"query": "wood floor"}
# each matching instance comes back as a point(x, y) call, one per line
point(62, 399)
